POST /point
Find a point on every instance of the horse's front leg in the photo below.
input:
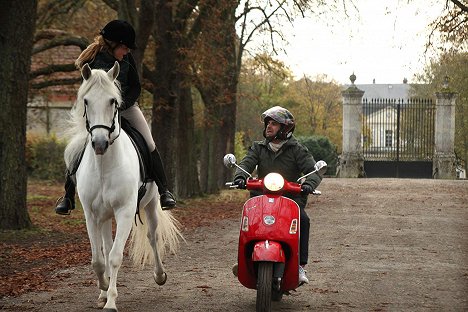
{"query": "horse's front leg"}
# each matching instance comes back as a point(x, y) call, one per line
point(97, 260)
point(107, 246)
point(159, 275)
point(123, 218)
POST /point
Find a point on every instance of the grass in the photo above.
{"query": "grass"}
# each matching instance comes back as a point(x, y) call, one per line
point(22, 235)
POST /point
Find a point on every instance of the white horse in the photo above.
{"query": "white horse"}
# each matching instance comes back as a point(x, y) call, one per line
point(108, 179)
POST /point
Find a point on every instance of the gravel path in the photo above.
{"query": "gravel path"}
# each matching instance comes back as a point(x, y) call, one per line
point(375, 245)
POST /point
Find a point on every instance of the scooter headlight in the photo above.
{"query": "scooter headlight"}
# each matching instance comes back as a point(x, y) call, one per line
point(273, 182)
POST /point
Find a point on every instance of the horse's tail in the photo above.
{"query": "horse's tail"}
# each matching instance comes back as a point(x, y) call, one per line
point(167, 232)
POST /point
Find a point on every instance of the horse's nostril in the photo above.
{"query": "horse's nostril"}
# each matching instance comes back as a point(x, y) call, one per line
point(92, 144)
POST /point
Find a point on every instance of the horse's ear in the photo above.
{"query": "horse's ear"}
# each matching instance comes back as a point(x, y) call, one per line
point(114, 71)
point(86, 71)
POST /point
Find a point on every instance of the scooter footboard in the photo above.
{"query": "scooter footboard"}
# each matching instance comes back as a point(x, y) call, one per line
point(268, 251)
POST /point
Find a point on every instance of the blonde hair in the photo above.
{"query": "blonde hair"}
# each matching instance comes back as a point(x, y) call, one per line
point(88, 54)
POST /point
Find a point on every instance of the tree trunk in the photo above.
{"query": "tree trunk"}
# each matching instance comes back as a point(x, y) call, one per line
point(17, 22)
point(172, 123)
point(219, 95)
point(142, 19)
point(187, 173)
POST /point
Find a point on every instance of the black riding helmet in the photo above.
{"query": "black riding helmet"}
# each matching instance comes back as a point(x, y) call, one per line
point(121, 32)
point(282, 116)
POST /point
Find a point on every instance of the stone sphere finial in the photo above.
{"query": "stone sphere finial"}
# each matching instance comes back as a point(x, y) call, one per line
point(352, 78)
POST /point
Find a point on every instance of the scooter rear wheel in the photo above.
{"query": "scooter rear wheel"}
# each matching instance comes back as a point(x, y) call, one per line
point(264, 286)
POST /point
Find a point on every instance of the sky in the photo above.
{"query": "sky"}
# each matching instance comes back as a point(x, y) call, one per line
point(385, 40)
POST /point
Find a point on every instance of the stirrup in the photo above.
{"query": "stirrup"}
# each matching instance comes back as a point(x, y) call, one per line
point(169, 200)
point(168, 207)
point(61, 210)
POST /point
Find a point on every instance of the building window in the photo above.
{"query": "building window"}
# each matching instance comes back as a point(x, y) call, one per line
point(388, 138)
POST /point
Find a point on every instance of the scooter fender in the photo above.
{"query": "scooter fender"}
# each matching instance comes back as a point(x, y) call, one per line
point(268, 251)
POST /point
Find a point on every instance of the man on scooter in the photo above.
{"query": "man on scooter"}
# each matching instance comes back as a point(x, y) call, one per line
point(280, 152)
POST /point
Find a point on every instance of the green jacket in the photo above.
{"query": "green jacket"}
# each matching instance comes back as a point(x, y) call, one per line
point(292, 161)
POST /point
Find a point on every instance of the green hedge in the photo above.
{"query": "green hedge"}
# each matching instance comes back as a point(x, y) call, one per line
point(44, 157)
point(322, 149)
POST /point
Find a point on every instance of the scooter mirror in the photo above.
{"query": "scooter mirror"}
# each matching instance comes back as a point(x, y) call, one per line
point(321, 166)
point(229, 160)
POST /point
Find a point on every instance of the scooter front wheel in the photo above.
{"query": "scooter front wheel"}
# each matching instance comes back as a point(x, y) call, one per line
point(264, 286)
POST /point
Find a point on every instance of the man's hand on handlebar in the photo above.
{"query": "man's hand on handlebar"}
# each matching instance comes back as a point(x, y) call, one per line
point(240, 182)
point(306, 189)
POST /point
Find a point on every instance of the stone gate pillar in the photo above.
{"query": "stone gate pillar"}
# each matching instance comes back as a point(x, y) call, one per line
point(351, 160)
point(443, 164)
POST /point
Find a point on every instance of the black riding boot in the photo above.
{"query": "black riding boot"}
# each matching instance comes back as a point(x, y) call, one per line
point(159, 176)
point(67, 202)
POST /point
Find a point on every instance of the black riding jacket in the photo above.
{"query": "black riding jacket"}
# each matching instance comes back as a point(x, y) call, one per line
point(128, 75)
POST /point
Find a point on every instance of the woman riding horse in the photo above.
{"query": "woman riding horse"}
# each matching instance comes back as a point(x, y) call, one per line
point(108, 180)
point(114, 43)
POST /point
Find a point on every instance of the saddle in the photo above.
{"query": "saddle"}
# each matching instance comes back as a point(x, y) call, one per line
point(144, 154)
point(144, 157)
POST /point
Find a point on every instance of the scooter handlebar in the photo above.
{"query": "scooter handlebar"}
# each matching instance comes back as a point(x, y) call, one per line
point(231, 185)
point(289, 187)
point(257, 184)
point(292, 187)
point(254, 184)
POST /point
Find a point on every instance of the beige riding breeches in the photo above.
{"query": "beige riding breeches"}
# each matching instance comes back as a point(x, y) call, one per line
point(136, 118)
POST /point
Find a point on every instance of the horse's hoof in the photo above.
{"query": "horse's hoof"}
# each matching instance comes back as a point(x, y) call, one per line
point(109, 310)
point(161, 280)
point(101, 302)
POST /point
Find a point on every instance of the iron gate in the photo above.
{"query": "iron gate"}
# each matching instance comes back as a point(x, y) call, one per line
point(398, 137)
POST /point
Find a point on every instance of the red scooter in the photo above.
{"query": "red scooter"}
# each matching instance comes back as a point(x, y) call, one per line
point(268, 254)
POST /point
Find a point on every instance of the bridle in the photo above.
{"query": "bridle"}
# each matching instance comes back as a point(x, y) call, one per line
point(110, 129)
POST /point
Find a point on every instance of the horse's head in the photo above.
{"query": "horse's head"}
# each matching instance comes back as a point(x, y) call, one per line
point(101, 99)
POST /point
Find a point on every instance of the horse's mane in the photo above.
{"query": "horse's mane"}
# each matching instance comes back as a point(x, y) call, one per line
point(76, 125)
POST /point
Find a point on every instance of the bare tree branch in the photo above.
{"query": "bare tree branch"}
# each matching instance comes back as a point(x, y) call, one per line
point(54, 68)
point(80, 42)
point(450, 26)
point(266, 20)
point(463, 7)
point(53, 10)
point(113, 4)
point(55, 82)
point(49, 34)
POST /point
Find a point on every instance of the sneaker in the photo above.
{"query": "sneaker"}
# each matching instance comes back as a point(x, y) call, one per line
point(302, 276)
